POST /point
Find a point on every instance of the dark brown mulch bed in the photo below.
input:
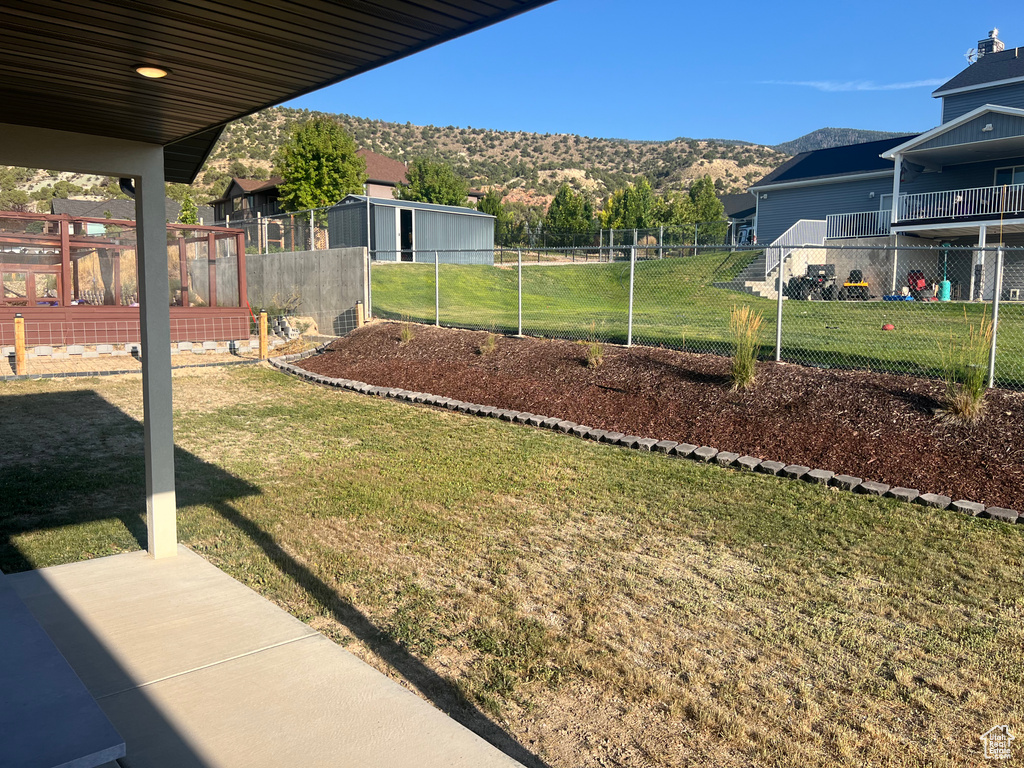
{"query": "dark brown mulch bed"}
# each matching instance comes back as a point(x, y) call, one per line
point(871, 425)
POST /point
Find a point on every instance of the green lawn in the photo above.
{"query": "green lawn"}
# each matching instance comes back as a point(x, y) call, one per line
point(600, 606)
point(677, 305)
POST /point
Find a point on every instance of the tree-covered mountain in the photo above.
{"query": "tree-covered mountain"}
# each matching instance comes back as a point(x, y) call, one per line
point(825, 138)
point(527, 165)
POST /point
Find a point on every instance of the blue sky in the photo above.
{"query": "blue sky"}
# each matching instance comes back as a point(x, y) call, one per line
point(657, 69)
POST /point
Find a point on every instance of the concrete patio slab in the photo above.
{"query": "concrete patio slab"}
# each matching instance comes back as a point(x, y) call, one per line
point(195, 669)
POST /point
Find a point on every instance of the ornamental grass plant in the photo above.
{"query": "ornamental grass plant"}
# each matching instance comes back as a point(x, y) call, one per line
point(964, 370)
point(745, 328)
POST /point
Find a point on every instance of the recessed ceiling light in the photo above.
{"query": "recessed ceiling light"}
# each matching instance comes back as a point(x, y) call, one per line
point(152, 72)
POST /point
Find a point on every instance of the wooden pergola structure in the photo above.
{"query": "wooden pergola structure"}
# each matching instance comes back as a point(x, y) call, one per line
point(53, 247)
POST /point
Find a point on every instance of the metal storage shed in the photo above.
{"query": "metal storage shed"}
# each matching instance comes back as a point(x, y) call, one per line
point(406, 231)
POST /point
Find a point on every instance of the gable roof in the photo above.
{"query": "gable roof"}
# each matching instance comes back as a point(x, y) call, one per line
point(383, 170)
point(225, 59)
point(922, 138)
point(836, 161)
point(123, 210)
point(240, 186)
point(991, 69)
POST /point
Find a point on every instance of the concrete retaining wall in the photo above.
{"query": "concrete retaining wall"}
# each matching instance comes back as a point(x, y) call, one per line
point(326, 284)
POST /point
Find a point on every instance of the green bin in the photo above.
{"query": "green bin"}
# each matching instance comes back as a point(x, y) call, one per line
point(945, 290)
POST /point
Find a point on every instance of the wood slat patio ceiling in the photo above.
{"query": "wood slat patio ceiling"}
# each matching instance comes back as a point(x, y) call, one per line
point(70, 64)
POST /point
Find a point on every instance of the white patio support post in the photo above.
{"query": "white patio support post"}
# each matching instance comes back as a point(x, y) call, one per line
point(897, 172)
point(979, 260)
point(155, 323)
point(82, 153)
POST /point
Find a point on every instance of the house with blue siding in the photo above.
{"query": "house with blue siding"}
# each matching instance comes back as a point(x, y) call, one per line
point(958, 184)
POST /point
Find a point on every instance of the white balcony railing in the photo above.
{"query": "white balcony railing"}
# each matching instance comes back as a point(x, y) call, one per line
point(962, 203)
point(865, 224)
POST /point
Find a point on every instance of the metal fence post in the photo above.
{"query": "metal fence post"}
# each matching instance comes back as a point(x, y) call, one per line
point(632, 270)
point(437, 292)
point(778, 311)
point(995, 317)
point(312, 232)
point(520, 257)
point(611, 244)
point(661, 242)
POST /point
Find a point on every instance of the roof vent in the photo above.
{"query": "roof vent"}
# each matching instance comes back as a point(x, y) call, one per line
point(991, 44)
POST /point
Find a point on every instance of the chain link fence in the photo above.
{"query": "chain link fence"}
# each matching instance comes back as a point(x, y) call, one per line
point(897, 308)
point(539, 237)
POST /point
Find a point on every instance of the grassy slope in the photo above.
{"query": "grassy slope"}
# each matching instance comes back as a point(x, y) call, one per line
point(676, 305)
point(605, 606)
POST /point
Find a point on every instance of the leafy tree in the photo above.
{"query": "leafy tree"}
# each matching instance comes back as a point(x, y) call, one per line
point(189, 211)
point(708, 212)
point(570, 213)
point(238, 168)
point(319, 166)
point(632, 207)
point(432, 181)
point(14, 200)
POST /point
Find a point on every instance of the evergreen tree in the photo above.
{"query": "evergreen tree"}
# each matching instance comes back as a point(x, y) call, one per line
point(491, 203)
point(319, 166)
point(433, 182)
point(708, 212)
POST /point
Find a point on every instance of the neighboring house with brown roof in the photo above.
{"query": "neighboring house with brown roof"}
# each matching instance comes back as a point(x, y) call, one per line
point(245, 198)
point(383, 174)
point(123, 210)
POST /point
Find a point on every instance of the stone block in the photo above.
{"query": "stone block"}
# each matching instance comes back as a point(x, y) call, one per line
point(968, 507)
point(90, 354)
point(683, 450)
point(597, 434)
point(795, 471)
point(646, 443)
point(1001, 513)
point(611, 437)
point(628, 441)
point(522, 417)
point(726, 458)
point(6, 351)
point(104, 349)
point(664, 446)
point(550, 422)
point(76, 349)
point(185, 346)
point(748, 463)
point(198, 351)
point(705, 453)
point(903, 494)
point(565, 426)
point(119, 353)
point(43, 351)
point(872, 488)
point(209, 345)
point(934, 500)
point(509, 415)
point(771, 467)
point(845, 482)
point(819, 476)
point(580, 430)
point(535, 421)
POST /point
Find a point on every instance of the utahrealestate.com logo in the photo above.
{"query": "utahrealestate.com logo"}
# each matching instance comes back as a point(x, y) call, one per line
point(997, 742)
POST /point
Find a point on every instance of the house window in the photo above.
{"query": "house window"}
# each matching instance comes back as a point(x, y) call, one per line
point(1007, 176)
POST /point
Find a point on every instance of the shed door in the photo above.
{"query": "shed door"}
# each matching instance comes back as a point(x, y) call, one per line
point(405, 234)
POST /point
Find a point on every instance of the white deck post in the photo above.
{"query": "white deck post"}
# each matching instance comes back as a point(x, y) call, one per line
point(897, 172)
point(154, 318)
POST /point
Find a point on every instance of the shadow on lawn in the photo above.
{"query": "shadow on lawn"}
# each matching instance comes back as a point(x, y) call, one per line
point(68, 472)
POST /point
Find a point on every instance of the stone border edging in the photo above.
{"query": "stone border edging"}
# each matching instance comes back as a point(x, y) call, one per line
point(703, 453)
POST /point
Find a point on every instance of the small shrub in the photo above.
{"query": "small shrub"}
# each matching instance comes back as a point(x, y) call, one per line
point(595, 354)
point(745, 327)
point(964, 370)
point(406, 333)
point(488, 345)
